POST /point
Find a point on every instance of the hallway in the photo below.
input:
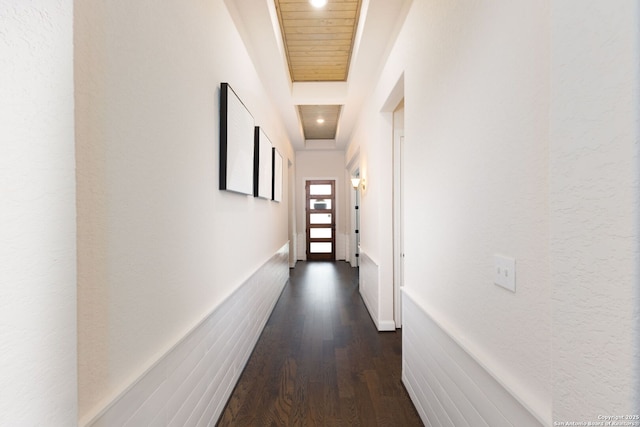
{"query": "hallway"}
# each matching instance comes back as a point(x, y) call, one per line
point(320, 360)
point(497, 147)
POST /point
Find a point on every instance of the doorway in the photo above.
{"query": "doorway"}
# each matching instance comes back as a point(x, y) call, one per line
point(321, 220)
point(398, 207)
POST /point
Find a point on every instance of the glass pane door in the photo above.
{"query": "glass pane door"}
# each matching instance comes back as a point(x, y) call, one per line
point(320, 204)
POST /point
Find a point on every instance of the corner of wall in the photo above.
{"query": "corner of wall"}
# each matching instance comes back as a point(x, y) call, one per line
point(38, 268)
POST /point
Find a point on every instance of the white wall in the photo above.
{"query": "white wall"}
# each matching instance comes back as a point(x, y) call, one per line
point(594, 216)
point(373, 150)
point(37, 215)
point(521, 138)
point(476, 144)
point(329, 164)
point(476, 151)
point(159, 246)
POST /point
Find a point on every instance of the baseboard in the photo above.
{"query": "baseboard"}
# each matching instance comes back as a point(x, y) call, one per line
point(448, 384)
point(191, 383)
point(386, 325)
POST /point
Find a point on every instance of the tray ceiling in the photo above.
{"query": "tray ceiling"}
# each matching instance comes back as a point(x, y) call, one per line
point(318, 41)
point(318, 44)
point(319, 121)
point(259, 24)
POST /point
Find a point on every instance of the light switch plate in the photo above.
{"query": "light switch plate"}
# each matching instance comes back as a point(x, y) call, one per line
point(504, 272)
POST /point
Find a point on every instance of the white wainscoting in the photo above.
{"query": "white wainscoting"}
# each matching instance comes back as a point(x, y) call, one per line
point(447, 384)
point(368, 285)
point(350, 251)
point(293, 250)
point(301, 243)
point(190, 384)
point(341, 246)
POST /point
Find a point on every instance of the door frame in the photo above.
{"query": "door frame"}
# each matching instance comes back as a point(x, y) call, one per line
point(353, 201)
point(398, 219)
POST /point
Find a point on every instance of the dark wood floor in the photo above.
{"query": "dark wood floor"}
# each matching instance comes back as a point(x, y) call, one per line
point(320, 360)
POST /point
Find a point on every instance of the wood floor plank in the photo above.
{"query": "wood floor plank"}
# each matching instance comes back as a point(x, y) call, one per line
point(320, 361)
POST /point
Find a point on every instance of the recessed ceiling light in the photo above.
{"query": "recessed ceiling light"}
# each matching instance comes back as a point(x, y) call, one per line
point(318, 3)
point(320, 121)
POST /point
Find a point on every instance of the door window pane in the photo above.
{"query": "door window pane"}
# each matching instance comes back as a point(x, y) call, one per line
point(320, 189)
point(320, 247)
point(320, 203)
point(320, 218)
point(320, 233)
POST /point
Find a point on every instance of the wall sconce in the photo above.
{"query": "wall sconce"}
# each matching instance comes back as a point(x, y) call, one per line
point(358, 182)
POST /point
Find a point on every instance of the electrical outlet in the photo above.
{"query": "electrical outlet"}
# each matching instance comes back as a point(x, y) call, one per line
point(504, 273)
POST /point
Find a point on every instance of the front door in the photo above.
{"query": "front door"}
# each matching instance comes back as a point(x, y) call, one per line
point(321, 220)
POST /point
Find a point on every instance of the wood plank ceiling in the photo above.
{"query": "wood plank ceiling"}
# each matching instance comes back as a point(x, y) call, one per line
point(318, 44)
point(318, 41)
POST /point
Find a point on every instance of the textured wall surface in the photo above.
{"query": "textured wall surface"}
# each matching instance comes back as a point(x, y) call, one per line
point(159, 246)
point(521, 139)
point(476, 91)
point(37, 215)
point(594, 209)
